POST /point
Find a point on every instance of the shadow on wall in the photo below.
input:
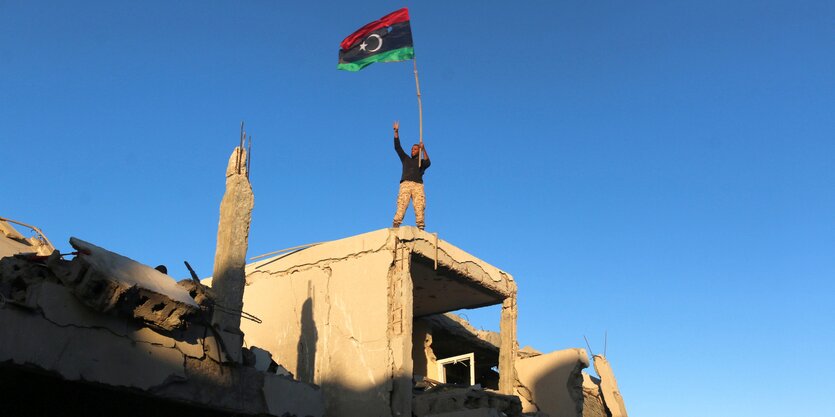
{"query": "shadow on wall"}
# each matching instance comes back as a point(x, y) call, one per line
point(555, 382)
point(306, 349)
point(20, 385)
point(205, 385)
point(342, 398)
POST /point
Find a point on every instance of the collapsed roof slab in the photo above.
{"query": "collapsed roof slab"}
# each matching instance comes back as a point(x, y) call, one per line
point(461, 281)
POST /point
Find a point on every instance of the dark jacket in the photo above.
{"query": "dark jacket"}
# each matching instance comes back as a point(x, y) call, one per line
point(411, 172)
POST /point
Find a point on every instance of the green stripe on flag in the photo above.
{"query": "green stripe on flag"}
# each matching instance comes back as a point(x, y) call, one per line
point(394, 55)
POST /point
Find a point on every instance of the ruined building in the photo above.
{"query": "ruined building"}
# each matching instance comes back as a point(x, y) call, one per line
point(361, 326)
point(367, 319)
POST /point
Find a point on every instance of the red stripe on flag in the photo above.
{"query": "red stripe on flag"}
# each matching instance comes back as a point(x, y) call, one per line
point(398, 16)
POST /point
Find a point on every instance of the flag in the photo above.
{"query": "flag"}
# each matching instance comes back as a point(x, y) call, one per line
point(388, 39)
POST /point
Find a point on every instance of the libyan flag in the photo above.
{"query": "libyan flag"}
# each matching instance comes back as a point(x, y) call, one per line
point(388, 39)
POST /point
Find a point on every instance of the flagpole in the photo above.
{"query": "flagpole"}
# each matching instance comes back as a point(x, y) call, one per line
point(420, 111)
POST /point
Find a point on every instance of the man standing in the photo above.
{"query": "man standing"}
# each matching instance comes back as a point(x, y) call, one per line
point(411, 181)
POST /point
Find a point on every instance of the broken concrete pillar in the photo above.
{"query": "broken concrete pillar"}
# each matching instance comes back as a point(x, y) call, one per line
point(228, 277)
point(609, 387)
point(400, 328)
point(507, 351)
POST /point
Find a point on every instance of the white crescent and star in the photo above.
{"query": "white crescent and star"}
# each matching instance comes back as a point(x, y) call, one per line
point(364, 45)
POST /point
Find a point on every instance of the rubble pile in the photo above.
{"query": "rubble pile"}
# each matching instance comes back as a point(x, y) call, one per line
point(447, 398)
point(106, 282)
point(103, 321)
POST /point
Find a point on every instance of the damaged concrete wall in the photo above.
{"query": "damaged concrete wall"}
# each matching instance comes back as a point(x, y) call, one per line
point(351, 304)
point(609, 387)
point(553, 382)
point(449, 335)
point(59, 334)
point(593, 405)
point(105, 282)
point(326, 319)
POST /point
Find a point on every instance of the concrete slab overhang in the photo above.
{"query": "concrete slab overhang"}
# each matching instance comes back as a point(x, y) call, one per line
point(460, 281)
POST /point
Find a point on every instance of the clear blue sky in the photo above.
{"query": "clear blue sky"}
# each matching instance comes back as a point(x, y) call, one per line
point(659, 170)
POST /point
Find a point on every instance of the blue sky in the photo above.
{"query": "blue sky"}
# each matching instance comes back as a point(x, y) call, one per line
point(661, 171)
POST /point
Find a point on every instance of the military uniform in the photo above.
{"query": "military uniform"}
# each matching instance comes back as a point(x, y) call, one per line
point(411, 186)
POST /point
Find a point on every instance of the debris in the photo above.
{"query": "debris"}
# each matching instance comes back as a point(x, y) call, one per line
point(445, 398)
point(13, 242)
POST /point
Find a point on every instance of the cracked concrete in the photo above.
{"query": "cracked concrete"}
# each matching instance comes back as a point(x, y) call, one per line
point(340, 314)
point(63, 336)
point(111, 283)
point(456, 260)
point(310, 326)
point(47, 323)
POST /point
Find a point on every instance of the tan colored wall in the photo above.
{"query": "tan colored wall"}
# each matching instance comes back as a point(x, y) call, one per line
point(327, 323)
point(553, 382)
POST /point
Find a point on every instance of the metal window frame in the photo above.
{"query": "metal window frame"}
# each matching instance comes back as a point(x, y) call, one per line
point(456, 359)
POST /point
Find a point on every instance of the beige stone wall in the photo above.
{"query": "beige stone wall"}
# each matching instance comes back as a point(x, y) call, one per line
point(327, 323)
point(553, 382)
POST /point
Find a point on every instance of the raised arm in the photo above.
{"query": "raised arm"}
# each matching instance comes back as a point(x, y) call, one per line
point(397, 147)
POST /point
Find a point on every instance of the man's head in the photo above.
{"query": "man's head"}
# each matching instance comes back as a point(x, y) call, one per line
point(415, 149)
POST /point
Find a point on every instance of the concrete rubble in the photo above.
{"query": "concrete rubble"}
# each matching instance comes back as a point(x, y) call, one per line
point(56, 328)
point(460, 401)
point(14, 242)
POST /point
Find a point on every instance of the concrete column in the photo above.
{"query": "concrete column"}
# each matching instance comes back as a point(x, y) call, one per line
point(509, 347)
point(401, 317)
point(228, 277)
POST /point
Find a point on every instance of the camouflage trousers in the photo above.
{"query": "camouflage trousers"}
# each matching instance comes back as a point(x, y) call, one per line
point(414, 191)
